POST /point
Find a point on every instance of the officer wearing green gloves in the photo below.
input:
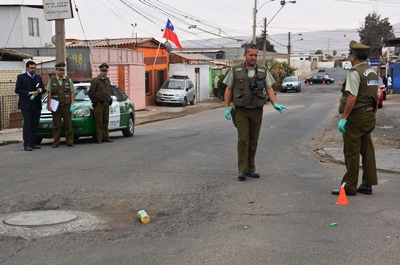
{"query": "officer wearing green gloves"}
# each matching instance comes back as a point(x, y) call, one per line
point(358, 106)
point(62, 89)
point(246, 83)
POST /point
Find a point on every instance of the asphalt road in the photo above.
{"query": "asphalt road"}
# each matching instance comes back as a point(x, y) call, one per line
point(183, 173)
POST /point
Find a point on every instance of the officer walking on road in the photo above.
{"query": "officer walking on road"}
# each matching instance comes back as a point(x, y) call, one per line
point(61, 88)
point(246, 82)
point(100, 95)
point(358, 106)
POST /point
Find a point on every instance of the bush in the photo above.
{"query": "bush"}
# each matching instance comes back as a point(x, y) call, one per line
point(279, 70)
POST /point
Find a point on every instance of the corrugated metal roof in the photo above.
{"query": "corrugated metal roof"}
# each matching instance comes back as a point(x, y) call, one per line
point(17, 54)
point(108, 42)
point(189, 56)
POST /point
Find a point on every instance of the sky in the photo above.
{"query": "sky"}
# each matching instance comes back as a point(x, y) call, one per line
point(207, 19)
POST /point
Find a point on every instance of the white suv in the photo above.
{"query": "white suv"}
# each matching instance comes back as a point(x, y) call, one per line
point(178, 89)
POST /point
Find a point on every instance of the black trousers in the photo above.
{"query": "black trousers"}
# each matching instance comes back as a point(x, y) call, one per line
point(31, 123)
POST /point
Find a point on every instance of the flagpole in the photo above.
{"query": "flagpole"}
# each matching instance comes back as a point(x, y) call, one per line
point(159, 44)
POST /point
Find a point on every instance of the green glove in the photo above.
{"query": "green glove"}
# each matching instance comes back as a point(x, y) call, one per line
point(72, 109)
point(279, 108)
point(341, 125)
point(228, 115)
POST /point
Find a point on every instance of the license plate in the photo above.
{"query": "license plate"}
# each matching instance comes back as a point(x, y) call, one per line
point(47, 125)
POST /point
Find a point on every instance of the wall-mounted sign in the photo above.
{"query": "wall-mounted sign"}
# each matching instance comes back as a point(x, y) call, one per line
point(57, 9)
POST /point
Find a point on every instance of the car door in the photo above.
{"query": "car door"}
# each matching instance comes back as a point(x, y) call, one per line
point(114, 111)
point(190, 94)
point(124, 106)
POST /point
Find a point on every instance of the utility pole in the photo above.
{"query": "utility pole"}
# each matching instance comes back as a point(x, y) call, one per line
point(254, 21)
point(264, 34)
point(289, 48)
point(60, 41)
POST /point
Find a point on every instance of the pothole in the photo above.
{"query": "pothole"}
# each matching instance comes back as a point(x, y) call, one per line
point(34, 224)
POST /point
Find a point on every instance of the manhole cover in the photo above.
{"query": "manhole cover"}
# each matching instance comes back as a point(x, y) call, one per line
point(40, 218)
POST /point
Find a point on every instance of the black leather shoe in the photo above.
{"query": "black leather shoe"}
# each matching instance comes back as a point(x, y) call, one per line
point(36, 147)
point(109, 141)
point(364, 189)
point(70, 145)
point(337, 191)
point(28, 148)
point(253, 175)
point(242, 176)
point(98, 142)
point(54, 145)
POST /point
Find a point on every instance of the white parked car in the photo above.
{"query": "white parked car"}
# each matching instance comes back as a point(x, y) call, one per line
point(178, 89)
point(291, 83)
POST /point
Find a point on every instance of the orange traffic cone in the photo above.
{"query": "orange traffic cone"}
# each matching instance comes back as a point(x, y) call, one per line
point(342, 199)
point(340, 83)
point(307, 84)
point(323, 82)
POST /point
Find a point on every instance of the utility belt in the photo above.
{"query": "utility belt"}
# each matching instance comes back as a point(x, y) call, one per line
point(362, 110)
point(241, 107)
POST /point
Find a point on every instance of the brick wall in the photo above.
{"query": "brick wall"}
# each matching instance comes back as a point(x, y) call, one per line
point(8, 79)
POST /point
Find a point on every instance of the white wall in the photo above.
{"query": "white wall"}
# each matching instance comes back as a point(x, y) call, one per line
point(18, 36)
point(326, 64)
point(189, 69)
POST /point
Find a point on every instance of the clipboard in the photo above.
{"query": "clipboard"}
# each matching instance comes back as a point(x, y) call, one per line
point(54, 105)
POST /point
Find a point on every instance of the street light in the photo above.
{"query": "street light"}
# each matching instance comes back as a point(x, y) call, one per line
point(283, 3)
point(255, 18)
point(289, 47)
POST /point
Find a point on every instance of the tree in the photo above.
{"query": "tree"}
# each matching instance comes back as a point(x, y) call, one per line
point(319, 52)
point(375, 32)
point(280, 70)
point(260, 45)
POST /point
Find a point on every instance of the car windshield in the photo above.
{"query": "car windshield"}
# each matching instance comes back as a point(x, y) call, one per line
point(174, 84)
point(290, 79)
point(81, 93)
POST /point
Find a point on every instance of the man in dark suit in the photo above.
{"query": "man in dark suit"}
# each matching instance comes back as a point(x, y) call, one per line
point(30, 87)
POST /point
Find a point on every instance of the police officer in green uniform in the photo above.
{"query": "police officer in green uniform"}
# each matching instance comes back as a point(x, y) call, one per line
point(246, 83)
point(358, 106)
point(62, 89)
point(100, 95)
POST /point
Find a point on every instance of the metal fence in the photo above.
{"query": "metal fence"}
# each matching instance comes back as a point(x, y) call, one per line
point(10, 115)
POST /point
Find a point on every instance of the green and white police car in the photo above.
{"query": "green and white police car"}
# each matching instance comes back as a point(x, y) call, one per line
point(122, 115)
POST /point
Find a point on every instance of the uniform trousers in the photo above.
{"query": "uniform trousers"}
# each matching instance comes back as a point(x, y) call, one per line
point(248, 124)
point(101, 117)
point(31, 123)
point(63, 111)
point(357, 140)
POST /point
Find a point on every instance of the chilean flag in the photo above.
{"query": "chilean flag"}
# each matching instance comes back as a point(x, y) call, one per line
point(169, 34)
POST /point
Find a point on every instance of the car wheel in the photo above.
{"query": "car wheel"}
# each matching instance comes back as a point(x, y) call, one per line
point(76, 138)
point(193, 101)
point(38, 140)
point(328, 82)
point(283, 90)
point(184, 103)
point(130, 131)
point(311, 82)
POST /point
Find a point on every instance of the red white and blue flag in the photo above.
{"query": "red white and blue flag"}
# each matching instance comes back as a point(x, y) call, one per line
point(169, 34)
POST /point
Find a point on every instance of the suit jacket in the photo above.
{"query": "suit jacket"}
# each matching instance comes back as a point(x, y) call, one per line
point(23, 87)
